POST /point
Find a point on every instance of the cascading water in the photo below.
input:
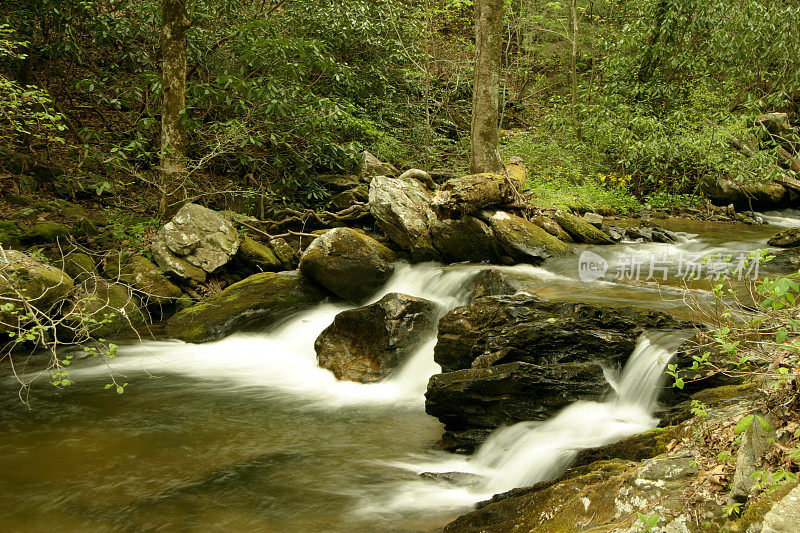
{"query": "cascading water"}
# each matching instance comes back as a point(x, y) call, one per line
point(283, 358)
point(529, 452)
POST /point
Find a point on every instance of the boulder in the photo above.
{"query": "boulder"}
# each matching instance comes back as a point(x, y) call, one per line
point(785, 262)
point(174, 265)
point(338, 182)
point(646, 234)
point(594, 219)
point(79, 266)
point(22, 276)
point(466, 239)
point(786, 239)
point(551, 227)
point(45, 233)
point(473, 402)
point(522, 241)
point(285, 253)
point(106, 309)
point(371, 166)
point(784, 516)
point(141, 274)
point(507, 359)
point(258, 256)
point(776, 124)
point(494, 282)
point(724, 191)
point(505, 328)
point(348, 263)
point(9, 234)
point(369, 343)
point(351, 197)
point(201, 237)
point(253, 303)
point(581, 230)
point(402, 209)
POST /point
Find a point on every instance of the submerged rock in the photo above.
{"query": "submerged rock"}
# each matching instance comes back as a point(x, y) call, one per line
point(402, 209)
point(255, 302)
point(369, 343)
point(348, 263)
point(522, 241)
point(196, 236)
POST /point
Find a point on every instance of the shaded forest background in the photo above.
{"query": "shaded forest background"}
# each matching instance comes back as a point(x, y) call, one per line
point(658, 97)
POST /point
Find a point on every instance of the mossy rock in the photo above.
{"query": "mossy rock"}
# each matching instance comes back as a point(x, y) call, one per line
point(634, 448)
point(23, 276)
point(580, 230)
point(143, 275)
point(348, 263)
point(255, 302)
point(9, 234)
point(284, 253)
point(106, 309)
point(79, 266)
point(46, 233)
point(521, 240)
point(259, 256)
point(85, 228)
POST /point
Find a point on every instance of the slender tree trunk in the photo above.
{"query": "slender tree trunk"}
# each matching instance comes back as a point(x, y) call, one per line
point(173, 169)
point(484, 135)
point(574, 66)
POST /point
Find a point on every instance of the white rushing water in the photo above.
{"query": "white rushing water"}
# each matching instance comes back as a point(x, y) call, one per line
point(530, 452)
point(283, 358)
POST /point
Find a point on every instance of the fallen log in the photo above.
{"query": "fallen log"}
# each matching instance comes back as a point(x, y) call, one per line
point(468, 194)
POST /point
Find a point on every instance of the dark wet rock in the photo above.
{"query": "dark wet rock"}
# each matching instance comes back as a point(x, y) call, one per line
point(253, 303)
point(489, 397)
point(348, 263)
point(402, 209)
point(369, 343)
point(371, 167)
point(460, 479)
point(581, 230)
point(644, 233)
point(46, 233)
point(22, 276)
point(502, 329)
point(787, 238)
point(520, 240)
point(198, 236)
point(466, 239)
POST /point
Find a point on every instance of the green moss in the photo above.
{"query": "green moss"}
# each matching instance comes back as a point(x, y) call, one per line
point(45, 233)
point(756, 512)
point(718, 395)
point(580, 230)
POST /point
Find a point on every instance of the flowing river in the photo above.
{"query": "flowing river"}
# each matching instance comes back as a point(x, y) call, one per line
point(248, 434)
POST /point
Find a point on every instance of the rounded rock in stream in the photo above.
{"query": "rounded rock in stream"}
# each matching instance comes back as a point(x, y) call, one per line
point(348, 263)
point(368, 343)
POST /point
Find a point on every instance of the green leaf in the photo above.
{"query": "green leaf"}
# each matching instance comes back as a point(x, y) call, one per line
point(782, 335)
point(743, 424)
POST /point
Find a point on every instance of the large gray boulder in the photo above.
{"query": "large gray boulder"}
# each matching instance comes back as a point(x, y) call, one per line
point(348, 263)
point(369, 343)
point(198, 236)
point(371, 166)
point(23, 277)
point(402, 209)
point(255, 302)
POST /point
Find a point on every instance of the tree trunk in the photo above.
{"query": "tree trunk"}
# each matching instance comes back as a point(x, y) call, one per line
point(484, 155)
point(574, 66)
point(173, 169)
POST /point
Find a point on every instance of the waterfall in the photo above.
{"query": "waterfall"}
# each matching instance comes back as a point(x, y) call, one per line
point(530, 452)
point(283, 358)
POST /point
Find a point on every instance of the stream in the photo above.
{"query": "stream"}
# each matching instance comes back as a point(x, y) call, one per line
point(249, 434)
